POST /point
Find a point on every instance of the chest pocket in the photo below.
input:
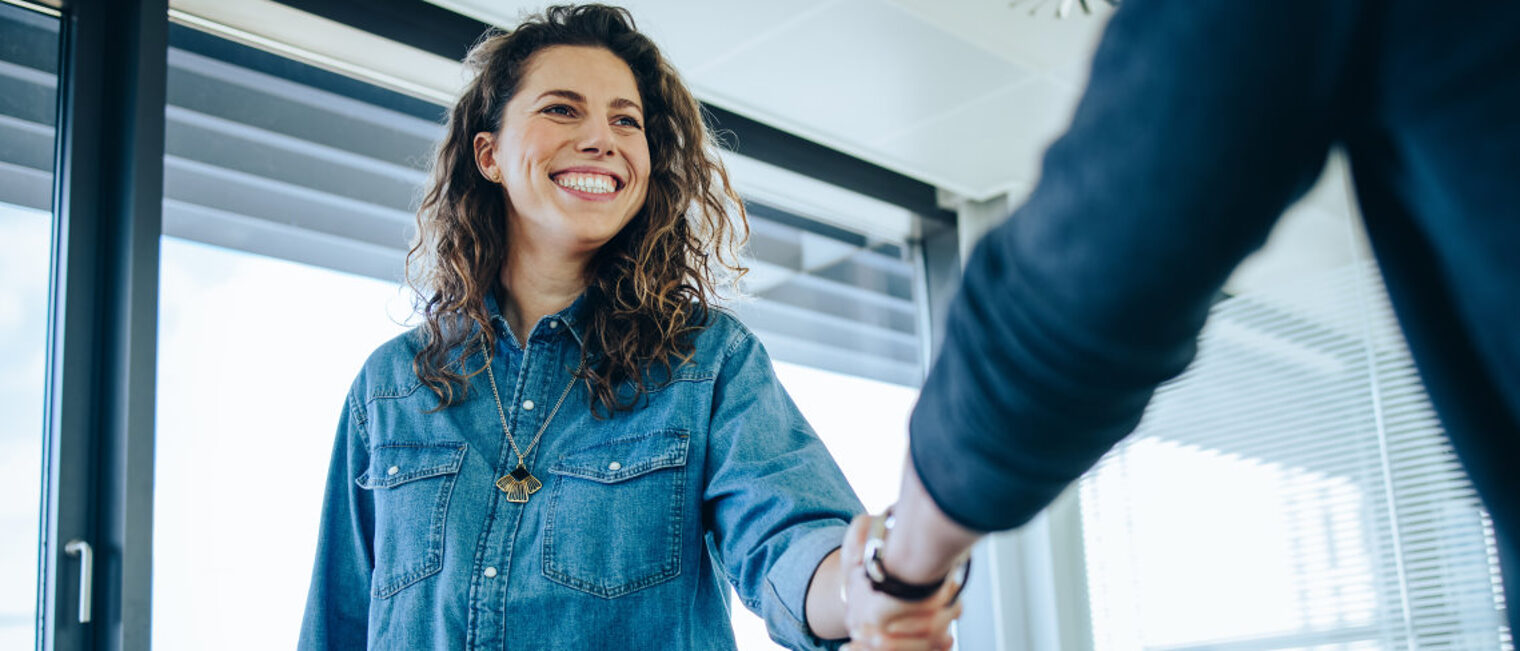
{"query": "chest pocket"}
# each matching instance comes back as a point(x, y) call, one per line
point(411, 484)
point(615, 521)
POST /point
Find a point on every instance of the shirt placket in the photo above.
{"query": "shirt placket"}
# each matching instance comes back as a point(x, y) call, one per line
point(491, 591)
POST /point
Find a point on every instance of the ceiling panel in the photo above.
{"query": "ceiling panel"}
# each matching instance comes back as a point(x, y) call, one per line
point(1061, 48)
point(692, 34)
point(992, 144)
point(859, 71)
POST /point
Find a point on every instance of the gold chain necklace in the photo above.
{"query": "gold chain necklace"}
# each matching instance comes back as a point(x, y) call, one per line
point(520, 483)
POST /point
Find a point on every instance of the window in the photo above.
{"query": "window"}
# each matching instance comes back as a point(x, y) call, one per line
point(28, 108)
point(256, 354)
point(1292, 489)
point(285, 216)
point(23, 351)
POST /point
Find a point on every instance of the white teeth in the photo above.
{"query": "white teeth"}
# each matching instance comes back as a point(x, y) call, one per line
point(592, 183)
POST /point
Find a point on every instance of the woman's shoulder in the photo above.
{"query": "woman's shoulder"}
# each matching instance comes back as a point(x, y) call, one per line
point(719, 333)
point(388, 372)
point(718, 328)
point(722, 335)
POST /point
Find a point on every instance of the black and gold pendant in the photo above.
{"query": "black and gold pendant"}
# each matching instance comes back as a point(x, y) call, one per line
point(519, 484)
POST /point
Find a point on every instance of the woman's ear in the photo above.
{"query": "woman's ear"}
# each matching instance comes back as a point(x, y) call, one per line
point(485, 156)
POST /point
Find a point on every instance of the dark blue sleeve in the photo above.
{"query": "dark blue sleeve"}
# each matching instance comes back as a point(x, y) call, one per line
point(1202, 121)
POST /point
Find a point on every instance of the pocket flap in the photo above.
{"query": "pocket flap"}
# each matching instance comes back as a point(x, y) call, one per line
point(625, 458)
point(398, 463)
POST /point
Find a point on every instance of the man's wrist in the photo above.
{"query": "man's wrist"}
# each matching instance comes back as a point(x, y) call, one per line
point(887, 582)
point(916, 569)
point(927, 545)
point(915, 557)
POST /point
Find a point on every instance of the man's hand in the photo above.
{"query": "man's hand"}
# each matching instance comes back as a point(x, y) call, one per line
point(878, 622)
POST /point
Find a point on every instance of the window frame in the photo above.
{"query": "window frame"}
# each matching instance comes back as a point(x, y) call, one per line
point(98, 451)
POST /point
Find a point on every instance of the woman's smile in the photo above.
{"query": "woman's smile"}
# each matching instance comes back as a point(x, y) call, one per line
point(589, 184)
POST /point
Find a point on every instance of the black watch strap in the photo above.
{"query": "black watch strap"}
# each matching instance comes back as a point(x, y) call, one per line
point(882, 581)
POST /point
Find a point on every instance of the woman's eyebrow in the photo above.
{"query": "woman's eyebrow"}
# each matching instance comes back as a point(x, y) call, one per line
point(618, 102)
point(625, 103)
point(565, 94)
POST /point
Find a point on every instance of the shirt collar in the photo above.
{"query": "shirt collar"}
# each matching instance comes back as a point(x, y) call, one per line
point(573, 318)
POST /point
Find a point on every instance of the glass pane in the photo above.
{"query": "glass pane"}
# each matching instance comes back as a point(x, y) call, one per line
point(28, 106)
point(286, 208)
point(255, 355)
point(1293, 489)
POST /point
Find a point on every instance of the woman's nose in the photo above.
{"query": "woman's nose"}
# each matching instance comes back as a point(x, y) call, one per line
point(596, 138)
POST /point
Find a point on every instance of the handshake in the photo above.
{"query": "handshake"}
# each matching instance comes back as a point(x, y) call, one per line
point(884, 613)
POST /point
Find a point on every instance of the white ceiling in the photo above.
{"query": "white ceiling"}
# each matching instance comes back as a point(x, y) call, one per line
point(962, 94)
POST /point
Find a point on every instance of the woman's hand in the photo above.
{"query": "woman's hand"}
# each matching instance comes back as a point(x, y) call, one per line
point(878, 622)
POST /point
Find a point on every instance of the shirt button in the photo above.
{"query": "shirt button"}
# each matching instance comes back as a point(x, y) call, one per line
point(527, 405)
point(553, 325)
point(490, 572)
point(393, 470)
point(614, 466)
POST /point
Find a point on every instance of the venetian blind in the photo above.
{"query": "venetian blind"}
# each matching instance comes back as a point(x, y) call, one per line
point(1292, 489)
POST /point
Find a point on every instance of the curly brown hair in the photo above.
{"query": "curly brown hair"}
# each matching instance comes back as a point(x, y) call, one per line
point(650, 286)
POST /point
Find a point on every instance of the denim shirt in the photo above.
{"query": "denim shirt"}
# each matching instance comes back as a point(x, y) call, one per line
point(643, 521)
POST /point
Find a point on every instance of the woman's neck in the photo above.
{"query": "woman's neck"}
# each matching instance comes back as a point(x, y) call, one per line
point(536, 286)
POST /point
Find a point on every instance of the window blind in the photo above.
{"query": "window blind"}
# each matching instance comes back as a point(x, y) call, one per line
point(1292, 489)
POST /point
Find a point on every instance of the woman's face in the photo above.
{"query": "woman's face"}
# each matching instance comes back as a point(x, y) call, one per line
point(571, 153)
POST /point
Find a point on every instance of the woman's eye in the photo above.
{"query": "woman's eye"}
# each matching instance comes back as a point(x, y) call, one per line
point(559, 109)
point(627, 121)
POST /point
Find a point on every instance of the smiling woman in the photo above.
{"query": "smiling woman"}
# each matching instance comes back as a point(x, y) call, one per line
point(576, 438)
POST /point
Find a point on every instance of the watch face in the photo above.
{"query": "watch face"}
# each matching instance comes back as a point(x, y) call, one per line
point(883, 582)
point(874, 571)
point(875, 538)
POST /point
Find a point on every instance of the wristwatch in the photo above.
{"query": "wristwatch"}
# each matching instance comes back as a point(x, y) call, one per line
point(882, 581)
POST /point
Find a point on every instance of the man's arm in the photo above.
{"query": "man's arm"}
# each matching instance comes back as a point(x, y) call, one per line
point(1201, 123)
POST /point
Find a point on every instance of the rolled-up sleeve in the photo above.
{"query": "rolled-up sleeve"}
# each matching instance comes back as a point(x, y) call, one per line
point(775, 501)
point(1201, 123)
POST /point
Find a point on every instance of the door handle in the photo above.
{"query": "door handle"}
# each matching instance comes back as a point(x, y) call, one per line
point(86, 556)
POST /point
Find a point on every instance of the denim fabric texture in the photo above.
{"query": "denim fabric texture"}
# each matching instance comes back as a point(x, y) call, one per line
point(644, 521)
